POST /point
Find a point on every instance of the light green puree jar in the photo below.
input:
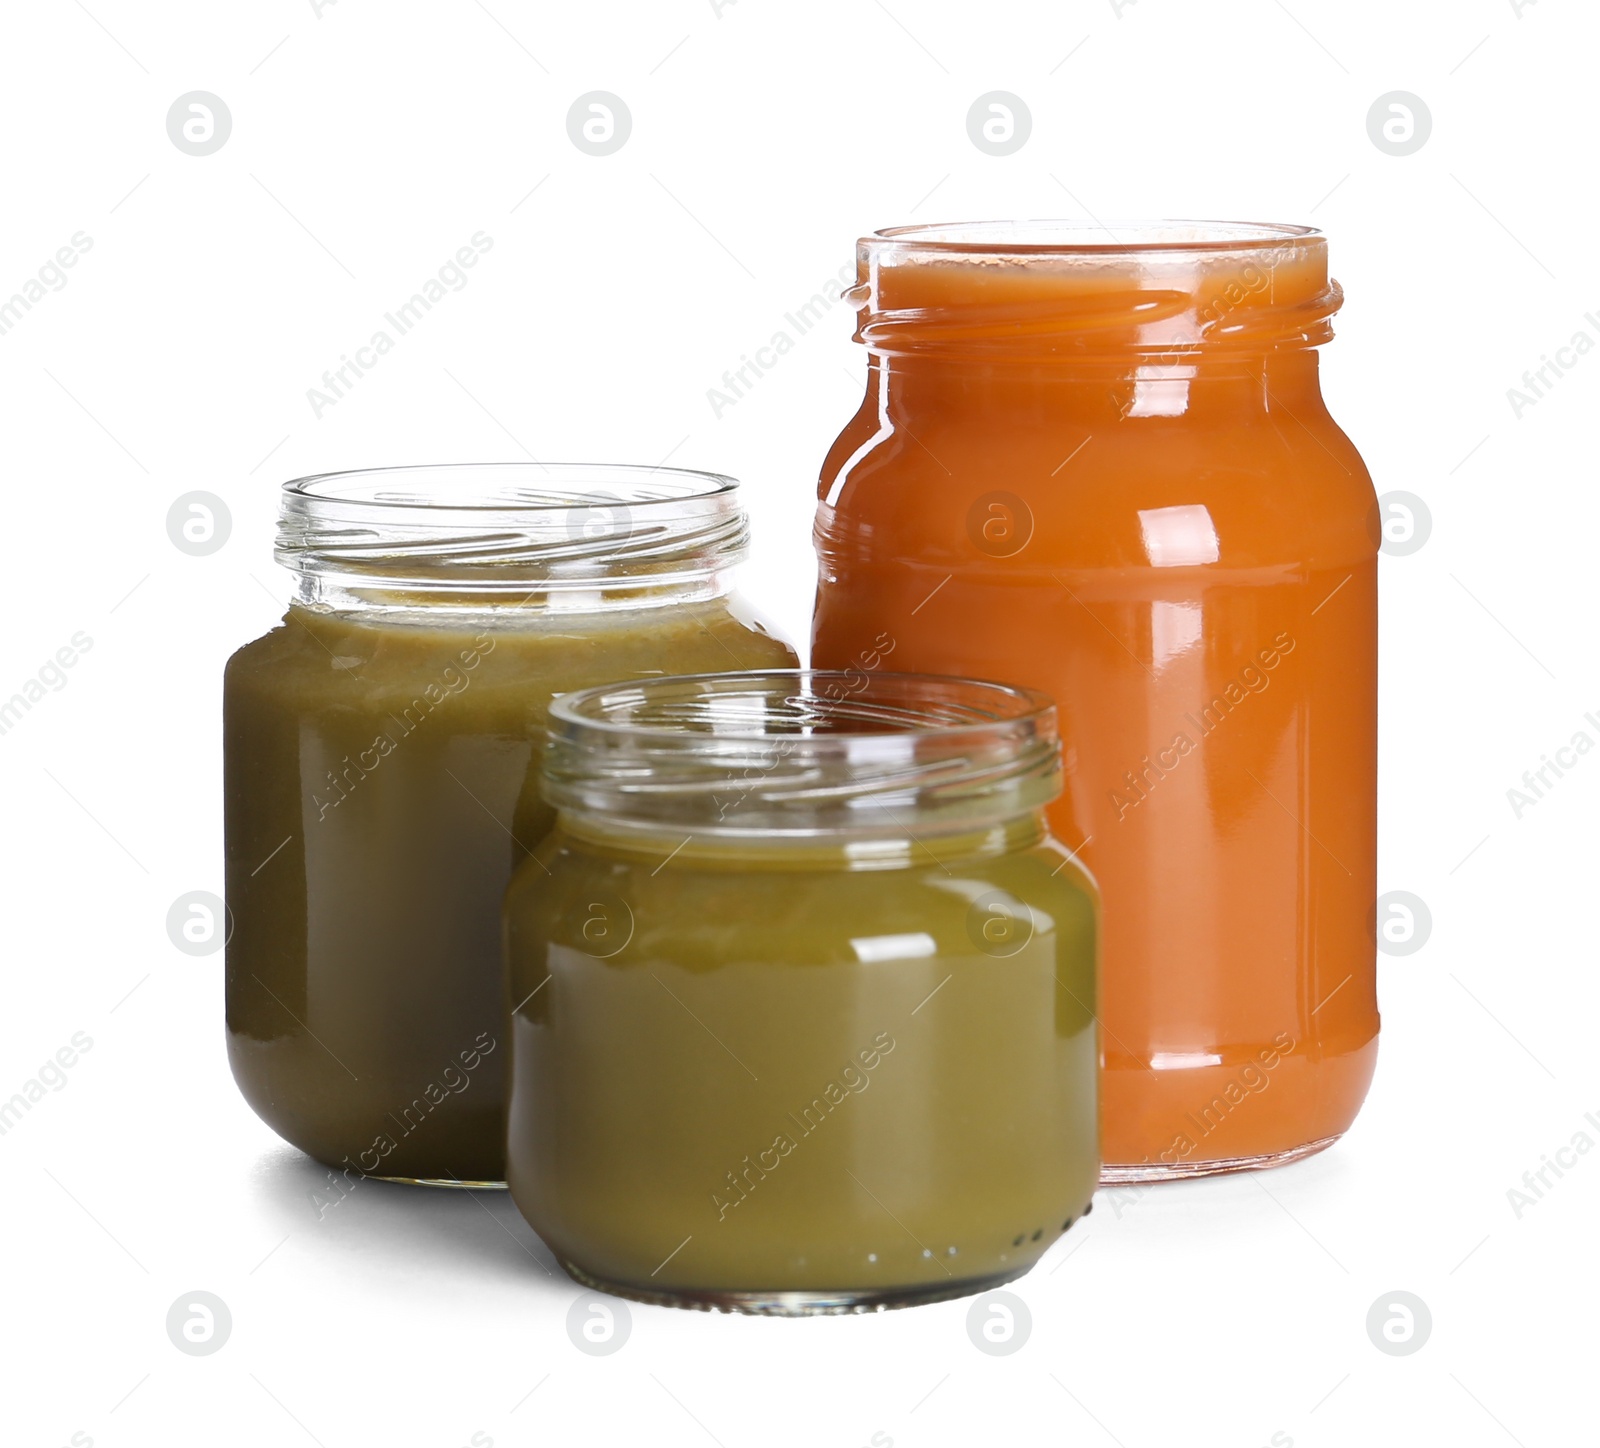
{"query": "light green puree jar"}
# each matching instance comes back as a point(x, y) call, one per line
point(802, 992)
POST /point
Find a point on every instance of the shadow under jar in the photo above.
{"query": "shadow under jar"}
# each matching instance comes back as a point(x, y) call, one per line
point(381, 759)
point(803, 993)
point(1097, 462)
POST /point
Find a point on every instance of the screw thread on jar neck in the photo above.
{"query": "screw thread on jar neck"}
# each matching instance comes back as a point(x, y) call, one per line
point(1043, 290)
point(509, 539)
point(802, 758)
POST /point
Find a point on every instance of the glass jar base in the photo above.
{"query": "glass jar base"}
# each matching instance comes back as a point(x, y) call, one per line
point(1146, 1172)
point(798, 1304)
point(473, 1186)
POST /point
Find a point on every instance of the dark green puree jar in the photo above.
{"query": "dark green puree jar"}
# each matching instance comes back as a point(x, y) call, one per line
point(381, 754)
point(802, 992)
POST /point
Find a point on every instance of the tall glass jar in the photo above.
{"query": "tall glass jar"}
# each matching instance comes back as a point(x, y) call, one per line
point(802, 993)
point(381, 756)
point(1096, 461)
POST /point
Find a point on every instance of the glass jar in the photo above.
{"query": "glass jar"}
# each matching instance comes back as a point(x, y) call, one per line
point(381, 756)
point(803, 993)
point(1096, 461)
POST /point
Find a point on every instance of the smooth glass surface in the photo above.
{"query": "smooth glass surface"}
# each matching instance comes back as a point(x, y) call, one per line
point(1106, 471)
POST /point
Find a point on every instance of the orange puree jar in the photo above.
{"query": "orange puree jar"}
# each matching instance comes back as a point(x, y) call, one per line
point(1096, 461)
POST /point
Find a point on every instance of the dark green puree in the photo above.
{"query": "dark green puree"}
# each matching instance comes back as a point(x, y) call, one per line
point(381, 788)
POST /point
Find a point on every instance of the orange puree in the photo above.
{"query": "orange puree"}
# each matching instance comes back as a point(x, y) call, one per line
point(1097, 462)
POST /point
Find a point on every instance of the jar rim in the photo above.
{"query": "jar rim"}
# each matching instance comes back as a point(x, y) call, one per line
point(358, 487)
point(803, 752)
point(1099, 240)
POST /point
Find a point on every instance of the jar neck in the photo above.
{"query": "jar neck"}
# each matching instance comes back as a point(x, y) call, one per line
point(509, 540)
point(858, 761)
point(1163, 291)
point(912, 846)
point(373, 600)
point(1100, 391)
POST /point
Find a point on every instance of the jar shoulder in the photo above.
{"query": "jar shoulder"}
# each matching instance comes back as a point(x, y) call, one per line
point(345, 656)
point(723, 913)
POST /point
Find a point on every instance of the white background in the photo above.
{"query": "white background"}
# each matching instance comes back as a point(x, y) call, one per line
point(372, 141)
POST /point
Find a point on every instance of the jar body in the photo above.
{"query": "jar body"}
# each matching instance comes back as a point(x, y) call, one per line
point(381, 788)
point(775, 1083)
point(1187, 564)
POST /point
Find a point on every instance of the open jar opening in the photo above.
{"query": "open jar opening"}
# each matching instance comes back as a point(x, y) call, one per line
point(510, 537)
